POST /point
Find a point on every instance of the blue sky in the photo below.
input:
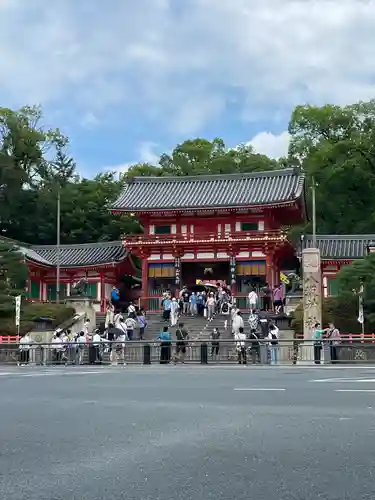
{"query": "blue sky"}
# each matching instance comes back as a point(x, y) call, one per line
point(129, 79)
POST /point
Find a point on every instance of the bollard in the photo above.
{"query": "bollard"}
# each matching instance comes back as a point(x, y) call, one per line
point(147, 354)
point(204, 354)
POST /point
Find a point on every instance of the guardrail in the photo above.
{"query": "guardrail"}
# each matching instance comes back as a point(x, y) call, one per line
point(193, 351)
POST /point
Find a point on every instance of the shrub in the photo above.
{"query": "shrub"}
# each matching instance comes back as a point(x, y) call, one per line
point(32, 311)
point(342, 311)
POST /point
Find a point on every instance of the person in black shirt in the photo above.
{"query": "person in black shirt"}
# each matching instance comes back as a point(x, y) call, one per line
point(182, 335)
point(215, 345)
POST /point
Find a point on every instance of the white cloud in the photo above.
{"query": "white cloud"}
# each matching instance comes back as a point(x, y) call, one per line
point(89, 120)
point(146, 153)
point(181, 65)
point(274, 146)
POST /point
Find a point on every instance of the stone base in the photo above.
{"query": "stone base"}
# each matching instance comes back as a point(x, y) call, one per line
point(83, 305)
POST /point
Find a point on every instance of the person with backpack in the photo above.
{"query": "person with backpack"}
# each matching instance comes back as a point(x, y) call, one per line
point(182, 336)
point(273, 337)
point(129, 324)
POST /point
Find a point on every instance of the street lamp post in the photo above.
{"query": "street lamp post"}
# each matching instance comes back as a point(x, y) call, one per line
point(58, 246)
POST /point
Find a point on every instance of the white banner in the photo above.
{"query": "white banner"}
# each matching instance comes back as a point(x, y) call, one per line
point(361, 316)
point(18, 310)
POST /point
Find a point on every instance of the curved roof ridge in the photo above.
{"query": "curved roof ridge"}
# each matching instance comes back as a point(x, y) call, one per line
point(239, 190)
point(214, 177)
point(79, 245)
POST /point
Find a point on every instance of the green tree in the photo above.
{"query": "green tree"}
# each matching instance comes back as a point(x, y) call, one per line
point(143, 170)
point(13, 275)
point(350, 279)
point(85, 212)
point(30, 156)
point(200, 156)
point(335, 146)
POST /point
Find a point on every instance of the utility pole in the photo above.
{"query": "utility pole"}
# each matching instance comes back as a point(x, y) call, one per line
point(313, 192)
point(58, 246)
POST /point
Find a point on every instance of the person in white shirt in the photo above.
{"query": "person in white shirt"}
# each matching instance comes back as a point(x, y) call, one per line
point(110, 313)
point(237, 323)
point(273, 337)
point(252, 299)
point(174, 311)
point(240, 337)
point(81, 341)
point(96, 343)
point(86, 327)
point(24, 349)
point(131, 310)
point(120, 347)
point(117, 318)
point(129, 324)
point(211, 304)
point(58, 348)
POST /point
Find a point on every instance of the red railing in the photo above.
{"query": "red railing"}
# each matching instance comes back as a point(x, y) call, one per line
point(204, 237)
point(9, 339)
point(351, 337)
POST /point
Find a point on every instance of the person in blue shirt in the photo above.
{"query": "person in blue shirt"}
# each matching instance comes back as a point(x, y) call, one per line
point(167, 303)
point(193, 304)
point(165, 346)
point(115, 296)
point(142, 323)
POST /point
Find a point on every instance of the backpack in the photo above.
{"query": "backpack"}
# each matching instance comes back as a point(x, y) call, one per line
point(129, 323)
point(274, 340)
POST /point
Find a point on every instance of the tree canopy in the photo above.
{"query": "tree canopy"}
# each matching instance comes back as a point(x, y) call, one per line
point(350, 279)
point(13, 275)
point(333, 145)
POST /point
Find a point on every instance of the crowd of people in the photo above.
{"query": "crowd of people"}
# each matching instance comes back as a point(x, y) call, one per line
point(120, 327)
point(203, 302)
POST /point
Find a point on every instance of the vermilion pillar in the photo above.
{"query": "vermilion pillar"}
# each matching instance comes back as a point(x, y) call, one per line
point(102, 293)
point(144, 297)
point(269, 270)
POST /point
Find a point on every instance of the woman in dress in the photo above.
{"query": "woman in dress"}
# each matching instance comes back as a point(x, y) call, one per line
point(109, 314)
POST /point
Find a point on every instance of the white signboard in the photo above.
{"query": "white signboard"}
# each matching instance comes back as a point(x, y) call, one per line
point(18, 310)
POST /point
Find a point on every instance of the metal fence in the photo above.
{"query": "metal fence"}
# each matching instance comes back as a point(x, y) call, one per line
point(198, 352)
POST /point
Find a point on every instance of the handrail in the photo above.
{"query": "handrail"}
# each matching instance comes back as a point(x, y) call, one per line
point(225, 236)
point(155, 341)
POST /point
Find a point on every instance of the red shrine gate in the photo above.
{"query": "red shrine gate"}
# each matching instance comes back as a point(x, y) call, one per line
point(216, 227)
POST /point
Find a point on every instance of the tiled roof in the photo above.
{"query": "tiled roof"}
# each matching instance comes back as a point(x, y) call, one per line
point(211, 191)
point(77, 255)
point(341, 247)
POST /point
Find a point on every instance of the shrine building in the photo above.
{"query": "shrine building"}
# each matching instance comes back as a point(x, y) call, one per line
point(104, 264)
point(337, 251)
point(218, 228)
point(209, 228)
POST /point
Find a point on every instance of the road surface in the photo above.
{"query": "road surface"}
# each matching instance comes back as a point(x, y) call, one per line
point(186, 432)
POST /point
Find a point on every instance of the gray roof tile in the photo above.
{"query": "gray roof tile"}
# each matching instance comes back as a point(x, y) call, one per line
point(211, 191)
point(78, 255)
point(341, 247)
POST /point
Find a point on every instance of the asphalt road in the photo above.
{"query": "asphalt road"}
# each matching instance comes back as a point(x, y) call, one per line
point(187, 432)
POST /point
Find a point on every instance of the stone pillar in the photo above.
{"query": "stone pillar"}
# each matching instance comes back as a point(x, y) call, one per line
point(312, 297)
